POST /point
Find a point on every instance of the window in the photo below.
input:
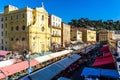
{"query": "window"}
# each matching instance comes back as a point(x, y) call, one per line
point(6, 33)
point(17, 39)
point(2, 41)
point(11, 17)
point(16, 16)
point(17, 28)
point(2, 19)
point(42, 17)
point(53, 23)
point(53, 32)
point(11, 28)
point(6, 49)
point(6, 25)
point(42, 29)
point(5, 18)
point(6, 42)
point(23, 15)
point(1, 26)
point(23, 27)
point(1, 33)
point(23, 39)
point(2, 47)
point(33, 38)
point(11, 39)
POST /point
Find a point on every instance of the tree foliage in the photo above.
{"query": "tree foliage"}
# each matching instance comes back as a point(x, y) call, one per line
point(96, 24)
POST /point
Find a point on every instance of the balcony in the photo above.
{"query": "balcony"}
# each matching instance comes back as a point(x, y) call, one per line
point(56, 27)
point(56, 35)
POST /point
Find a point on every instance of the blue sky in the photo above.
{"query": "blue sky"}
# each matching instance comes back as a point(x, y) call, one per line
point(73, 9)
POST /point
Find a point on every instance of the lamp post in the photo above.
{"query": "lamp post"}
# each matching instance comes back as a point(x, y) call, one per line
point(27, 57)
point(28, 60)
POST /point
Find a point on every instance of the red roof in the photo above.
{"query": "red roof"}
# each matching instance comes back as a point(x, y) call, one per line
point(10, 70)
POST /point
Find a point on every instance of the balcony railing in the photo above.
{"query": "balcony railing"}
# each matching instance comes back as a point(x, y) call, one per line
point(56, 35)
point(56, 27)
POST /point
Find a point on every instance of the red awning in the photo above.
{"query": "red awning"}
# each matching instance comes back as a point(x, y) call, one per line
point(104, 48)
point(3, 53)
point(107, 54)
point(10, 70)
point(104, 62)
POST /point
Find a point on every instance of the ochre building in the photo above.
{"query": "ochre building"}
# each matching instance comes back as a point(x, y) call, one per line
point(27, 25)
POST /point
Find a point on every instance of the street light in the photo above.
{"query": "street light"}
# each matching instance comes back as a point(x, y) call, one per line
point(28, 60)
point(27, 57)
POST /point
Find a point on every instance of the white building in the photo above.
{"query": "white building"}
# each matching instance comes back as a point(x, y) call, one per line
point(115, 34)
point(55, 23)
point(1, 32)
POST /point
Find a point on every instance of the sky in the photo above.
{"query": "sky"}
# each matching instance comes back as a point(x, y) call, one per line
point(72, 9)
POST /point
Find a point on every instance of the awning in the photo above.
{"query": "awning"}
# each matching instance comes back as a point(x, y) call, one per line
point(107, 54)
point(90, 72)
point(109, 73)
point(11, 69)
point(104, 48)
point(52, 56)
point(4, 53)
point(7, 62)
point(104, 62)
point(63, 78)
point(94, 72)
point(85, 51)
point(52, 70)
point(77, 47)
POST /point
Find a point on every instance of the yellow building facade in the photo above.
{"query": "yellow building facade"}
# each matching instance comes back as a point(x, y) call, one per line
point(88, 35)
point(65, 37)
point(104, 35)
point(55, 25)
point(76, 35)
point(27, 25)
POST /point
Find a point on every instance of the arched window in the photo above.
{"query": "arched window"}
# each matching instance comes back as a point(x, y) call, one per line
point(17, 28)
point(23, 39)
point(23, 27)
point(17, 39)
point(11, 39)
point(42, 17)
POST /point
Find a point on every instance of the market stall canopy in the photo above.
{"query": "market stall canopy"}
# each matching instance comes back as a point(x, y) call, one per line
point(104, 48)
point(107, 54)
point(63, 78)
point(94, 72)
point(90, 72)
point(52, 70)
point(7, 62)
point(109, 73)
point(11, 69)
point(85, 51)
point(4, 53)
point(104, 62)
